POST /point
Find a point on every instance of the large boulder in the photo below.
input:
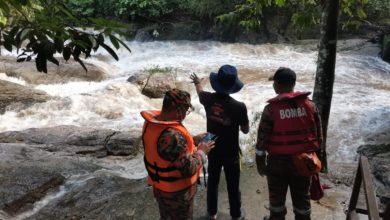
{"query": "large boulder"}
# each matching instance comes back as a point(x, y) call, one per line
point(154, 85)
point(65, 72)
point(13, 95)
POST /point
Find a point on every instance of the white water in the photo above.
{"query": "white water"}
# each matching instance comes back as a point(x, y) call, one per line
point(360, 107)
point(75, 181)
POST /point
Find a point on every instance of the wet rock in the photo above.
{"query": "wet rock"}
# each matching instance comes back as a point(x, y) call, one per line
point(24, 169)
point(378, 156)
point(90, 192)
point(105, 196)
point(13, 96)
point(32, 186)
point(117, 144)
point(154, 85)
point(77, 140)
point(34, 195)
point(65, 72)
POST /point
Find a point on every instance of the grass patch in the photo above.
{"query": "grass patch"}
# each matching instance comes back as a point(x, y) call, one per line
point(157, 69)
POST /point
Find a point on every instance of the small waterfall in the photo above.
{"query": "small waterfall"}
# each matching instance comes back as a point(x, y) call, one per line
point(360, 105)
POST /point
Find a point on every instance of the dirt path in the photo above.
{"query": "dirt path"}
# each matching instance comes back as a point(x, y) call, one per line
point(254, 195)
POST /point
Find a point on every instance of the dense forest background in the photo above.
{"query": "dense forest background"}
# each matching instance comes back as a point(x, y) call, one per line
point(75, 28)
point(252, 21)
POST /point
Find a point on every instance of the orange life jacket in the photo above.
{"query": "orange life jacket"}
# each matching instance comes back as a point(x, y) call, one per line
point(294, 129)
point(161, 173)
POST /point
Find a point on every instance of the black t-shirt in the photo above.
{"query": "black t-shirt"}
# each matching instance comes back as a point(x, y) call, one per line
point(225, 115)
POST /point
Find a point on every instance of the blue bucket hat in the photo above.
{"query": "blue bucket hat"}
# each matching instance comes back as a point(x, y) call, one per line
point(226, 80)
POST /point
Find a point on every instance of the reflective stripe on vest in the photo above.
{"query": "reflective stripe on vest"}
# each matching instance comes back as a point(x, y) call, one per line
point(294, 129)
point(161, 173)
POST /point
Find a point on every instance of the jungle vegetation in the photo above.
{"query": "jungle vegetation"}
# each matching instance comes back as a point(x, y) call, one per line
point(74, 28)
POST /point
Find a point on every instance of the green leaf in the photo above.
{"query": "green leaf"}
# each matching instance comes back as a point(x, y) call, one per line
point(123, 44)
point(13, 31)
point(114, 41)
point(110, 51)
point(4, 7)
point(53, 60)
point(81, 63)
point(21, 59)
point(280, 3)
point(59, 44)
point(100, 38)
point(41, 62)
point(49, 49)
point(66, 53)
point(7, 43)
point(361, 14)
point(3, 20)
point(67, 12)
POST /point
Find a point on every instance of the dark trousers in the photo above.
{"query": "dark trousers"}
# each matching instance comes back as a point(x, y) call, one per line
point(280, 176)
point(231, 169)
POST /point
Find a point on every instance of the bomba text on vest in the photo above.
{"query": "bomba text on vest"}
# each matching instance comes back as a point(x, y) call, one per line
point(292, 113)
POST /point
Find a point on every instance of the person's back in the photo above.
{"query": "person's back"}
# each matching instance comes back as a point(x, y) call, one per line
point(289, 126)
point(225, 118)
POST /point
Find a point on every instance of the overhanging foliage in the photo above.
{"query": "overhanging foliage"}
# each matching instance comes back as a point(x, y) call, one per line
point(41, 28)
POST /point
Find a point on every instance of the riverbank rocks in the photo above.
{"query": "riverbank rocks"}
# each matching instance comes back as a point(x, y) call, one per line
point(13, 95)
point(104, 196)
point(28, 172)
point(378, 156)
point(72, 186)
point(61, 166)
point(78, 140)
point(154, 85)
point(65, 72)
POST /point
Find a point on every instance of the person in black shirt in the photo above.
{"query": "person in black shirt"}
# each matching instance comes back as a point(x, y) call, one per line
point(225, 117)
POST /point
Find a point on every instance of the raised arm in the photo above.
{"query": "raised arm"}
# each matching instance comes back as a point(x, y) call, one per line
point(197, 82)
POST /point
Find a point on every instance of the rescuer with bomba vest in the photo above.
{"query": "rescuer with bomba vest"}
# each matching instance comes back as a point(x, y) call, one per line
point(172, 159)
point(290, 125)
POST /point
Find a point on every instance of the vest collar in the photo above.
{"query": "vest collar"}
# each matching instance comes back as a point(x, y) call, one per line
point(151, 116)
point(289, 95)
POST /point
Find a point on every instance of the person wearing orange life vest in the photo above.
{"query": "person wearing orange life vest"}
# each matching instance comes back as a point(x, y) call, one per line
point(172, 160)
point(290, 124)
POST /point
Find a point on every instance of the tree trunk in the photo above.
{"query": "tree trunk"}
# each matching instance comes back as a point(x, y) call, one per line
point(325, 74)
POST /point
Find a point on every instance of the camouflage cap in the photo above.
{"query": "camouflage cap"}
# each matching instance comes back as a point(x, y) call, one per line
point(179, 97)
